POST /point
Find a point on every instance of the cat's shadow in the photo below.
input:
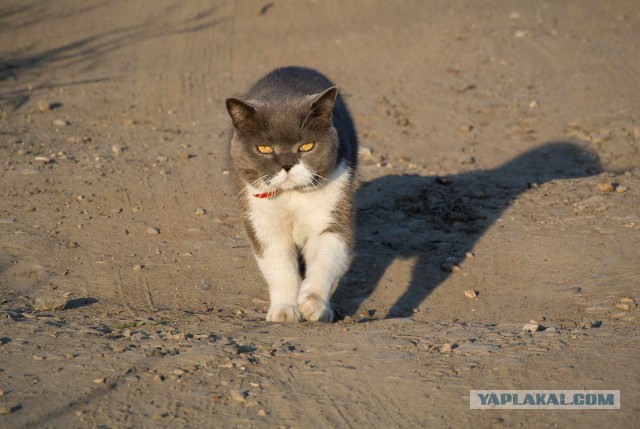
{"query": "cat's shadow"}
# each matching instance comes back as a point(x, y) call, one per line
point(437, 220)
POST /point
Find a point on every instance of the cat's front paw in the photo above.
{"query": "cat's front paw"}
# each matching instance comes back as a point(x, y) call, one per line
point(315, 309)
point(284, 313)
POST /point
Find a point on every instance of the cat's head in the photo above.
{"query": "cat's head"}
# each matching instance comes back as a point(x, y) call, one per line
point(288, 143)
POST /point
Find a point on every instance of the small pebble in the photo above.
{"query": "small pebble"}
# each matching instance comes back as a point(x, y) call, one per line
point(261, 413)
point(60, 123)
point(236, 395)
point(42, 105)
point(44, 159)
point(48, 302)
point(200, 211)
point(469, 160)
point(446, 348)
point(627, 299)
point(605, 187)
point(534, 104)
point(469, 255)
point(624, 306)
point(179, 336)
point(117, 149)
point(183, 155)
point(588, 324)
point(364, 314)
point(532, 326)
point(443, 180)
point(118, 348)
point(403, 122)
point(620, 189)
point(137, 267)
point(160, 416)
point(100, 380)
point(152, 230)
point(38, 358)
point(4, 410)
point(365, 152)
point(450, 268)
point(471, 294)
point(601, 136)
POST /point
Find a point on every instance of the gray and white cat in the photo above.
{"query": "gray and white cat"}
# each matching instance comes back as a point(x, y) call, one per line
point(293, 155)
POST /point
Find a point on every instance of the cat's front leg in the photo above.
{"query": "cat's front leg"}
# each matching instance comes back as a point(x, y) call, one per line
point(327, 257)
point(279, 266)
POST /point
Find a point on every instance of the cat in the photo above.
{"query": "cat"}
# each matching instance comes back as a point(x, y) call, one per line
point(293, 158)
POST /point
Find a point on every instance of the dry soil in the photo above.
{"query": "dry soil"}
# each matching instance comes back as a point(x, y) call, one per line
point(500, 155)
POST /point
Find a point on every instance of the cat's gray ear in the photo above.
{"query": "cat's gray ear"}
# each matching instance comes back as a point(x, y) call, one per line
point(242, 114)
point(322, 105)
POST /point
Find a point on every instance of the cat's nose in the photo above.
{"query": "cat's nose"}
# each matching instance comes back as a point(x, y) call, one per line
point(287, 167)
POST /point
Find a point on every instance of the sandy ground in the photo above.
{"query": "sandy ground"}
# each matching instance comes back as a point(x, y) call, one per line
point(502, 156)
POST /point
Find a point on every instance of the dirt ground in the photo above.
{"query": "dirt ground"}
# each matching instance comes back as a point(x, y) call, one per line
point(500, 154)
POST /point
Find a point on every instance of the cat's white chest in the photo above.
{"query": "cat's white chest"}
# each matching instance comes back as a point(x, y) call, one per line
point(292, 217)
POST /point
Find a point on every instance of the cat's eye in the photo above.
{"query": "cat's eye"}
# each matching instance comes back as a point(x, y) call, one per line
point(305, 147)
point(265, 149)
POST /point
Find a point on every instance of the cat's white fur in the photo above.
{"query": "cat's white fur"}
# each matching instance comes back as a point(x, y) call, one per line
point(300, 219)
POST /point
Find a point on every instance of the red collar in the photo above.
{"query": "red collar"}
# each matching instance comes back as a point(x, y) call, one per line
point(265, 194)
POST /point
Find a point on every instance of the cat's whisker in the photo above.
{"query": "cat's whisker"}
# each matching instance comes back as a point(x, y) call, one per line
point(239, 196)
point(253, 184)
point(315, 183)
point(319, 183)
point(309, 187)
point(317, 175)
